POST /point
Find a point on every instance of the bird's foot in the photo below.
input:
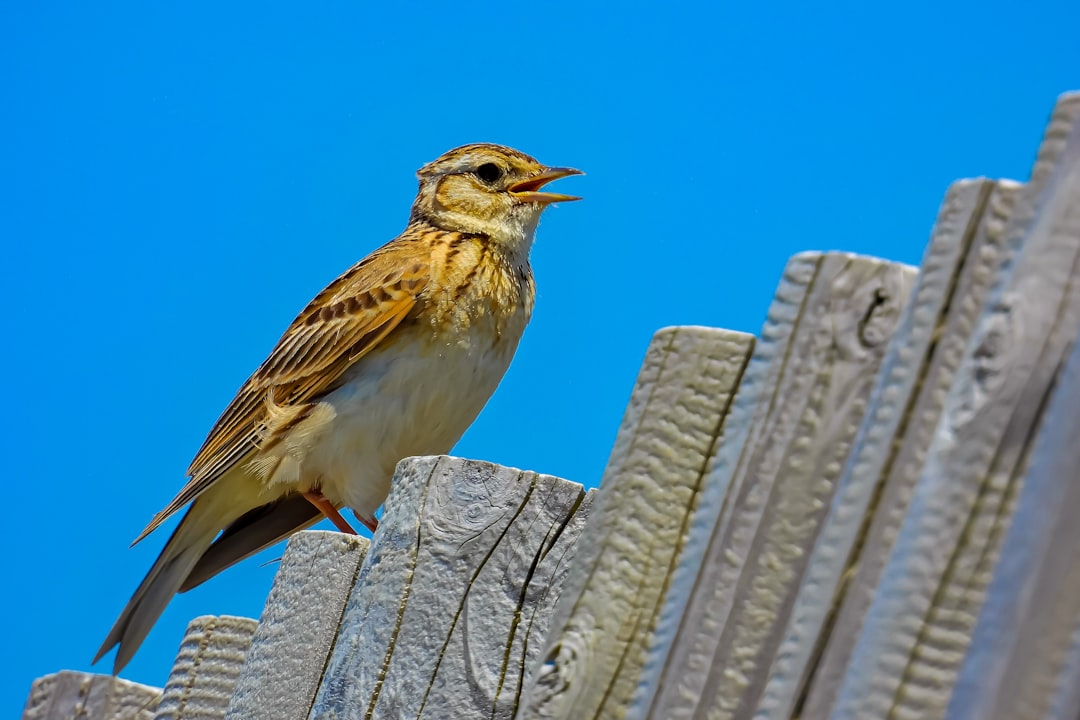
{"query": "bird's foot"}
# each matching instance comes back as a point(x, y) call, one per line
point(371, 524)
point(319, 500)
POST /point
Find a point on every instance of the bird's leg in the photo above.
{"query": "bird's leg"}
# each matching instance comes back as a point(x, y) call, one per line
point(319, 500)
point(371, 524)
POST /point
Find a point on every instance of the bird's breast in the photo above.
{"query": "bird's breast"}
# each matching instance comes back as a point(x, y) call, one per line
point(416, 393)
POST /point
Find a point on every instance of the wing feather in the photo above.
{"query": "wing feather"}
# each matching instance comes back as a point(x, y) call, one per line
point(344, 322)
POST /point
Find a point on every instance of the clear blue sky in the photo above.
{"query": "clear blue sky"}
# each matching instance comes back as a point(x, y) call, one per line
point(179, 179)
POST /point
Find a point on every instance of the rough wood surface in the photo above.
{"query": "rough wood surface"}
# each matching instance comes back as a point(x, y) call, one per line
point(845, 565)
point(454, 598)
point(1024, 660)
point(604, 619)
point(206, 668)
point(87, 696)
point(291, 646)
point(825, 545)
point(918, 626)
point(790, 430)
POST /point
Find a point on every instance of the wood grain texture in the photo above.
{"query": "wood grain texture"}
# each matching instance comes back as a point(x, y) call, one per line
point(791, 428)
point(670, 650)
point(604, 619)
point(1024, 660)
point(206, 668)
point(292, 644)
point(87, 696)
point(454, 598)
point(918, 626)
point(957, 270)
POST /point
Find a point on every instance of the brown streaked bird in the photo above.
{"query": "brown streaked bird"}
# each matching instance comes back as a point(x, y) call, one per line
point(394, 358)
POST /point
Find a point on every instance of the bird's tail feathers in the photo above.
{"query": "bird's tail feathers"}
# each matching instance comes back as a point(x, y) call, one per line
point(211, 512)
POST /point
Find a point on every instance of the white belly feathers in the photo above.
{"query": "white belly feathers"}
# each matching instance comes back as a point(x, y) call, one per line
point(393, 406)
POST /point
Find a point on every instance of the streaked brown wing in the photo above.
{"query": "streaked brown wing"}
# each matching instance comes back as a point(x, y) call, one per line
point(341, 325)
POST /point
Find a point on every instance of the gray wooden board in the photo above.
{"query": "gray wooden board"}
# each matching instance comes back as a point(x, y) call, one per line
point(792, 425)
point(296, 631)
point(88, 696)
point(605, 616)
point(954, 278)
point(918, 625)
point(1024, 660)
point(206, 668)
point(664, 655)
point(453, 600)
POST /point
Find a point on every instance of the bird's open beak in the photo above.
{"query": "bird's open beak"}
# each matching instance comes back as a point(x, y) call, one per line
point(529, 190)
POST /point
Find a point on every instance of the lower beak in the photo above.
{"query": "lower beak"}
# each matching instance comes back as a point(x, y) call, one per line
point(529, 190)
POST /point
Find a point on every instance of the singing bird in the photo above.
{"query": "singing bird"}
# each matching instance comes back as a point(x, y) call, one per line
point(396, 357)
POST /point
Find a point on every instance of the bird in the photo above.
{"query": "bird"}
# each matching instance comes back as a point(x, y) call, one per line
point(394, 358)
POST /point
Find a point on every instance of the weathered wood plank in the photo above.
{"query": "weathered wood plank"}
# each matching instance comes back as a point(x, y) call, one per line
point(956, 274)
point(206, 668)
point(918, 626)
point(88, 696)
point(670, 652)
point(453, 600)
point(1024, 660)
point(605, 617)
point(291, 646)
point(791, 428)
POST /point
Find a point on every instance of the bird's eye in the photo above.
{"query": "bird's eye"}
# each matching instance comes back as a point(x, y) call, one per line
point(489, 172)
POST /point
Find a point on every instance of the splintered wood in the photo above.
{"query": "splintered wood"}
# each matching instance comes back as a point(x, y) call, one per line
point(606, 615)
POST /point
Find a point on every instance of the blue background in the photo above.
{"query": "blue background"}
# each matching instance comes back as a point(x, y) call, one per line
point(179, 179)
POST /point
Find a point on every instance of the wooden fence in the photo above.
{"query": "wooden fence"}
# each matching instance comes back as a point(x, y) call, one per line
point(869, 511)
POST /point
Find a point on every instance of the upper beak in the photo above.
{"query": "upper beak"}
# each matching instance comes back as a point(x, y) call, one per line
point(529, 190)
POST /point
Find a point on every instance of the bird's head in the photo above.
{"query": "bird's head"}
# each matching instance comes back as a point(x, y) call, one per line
point(488, 189)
